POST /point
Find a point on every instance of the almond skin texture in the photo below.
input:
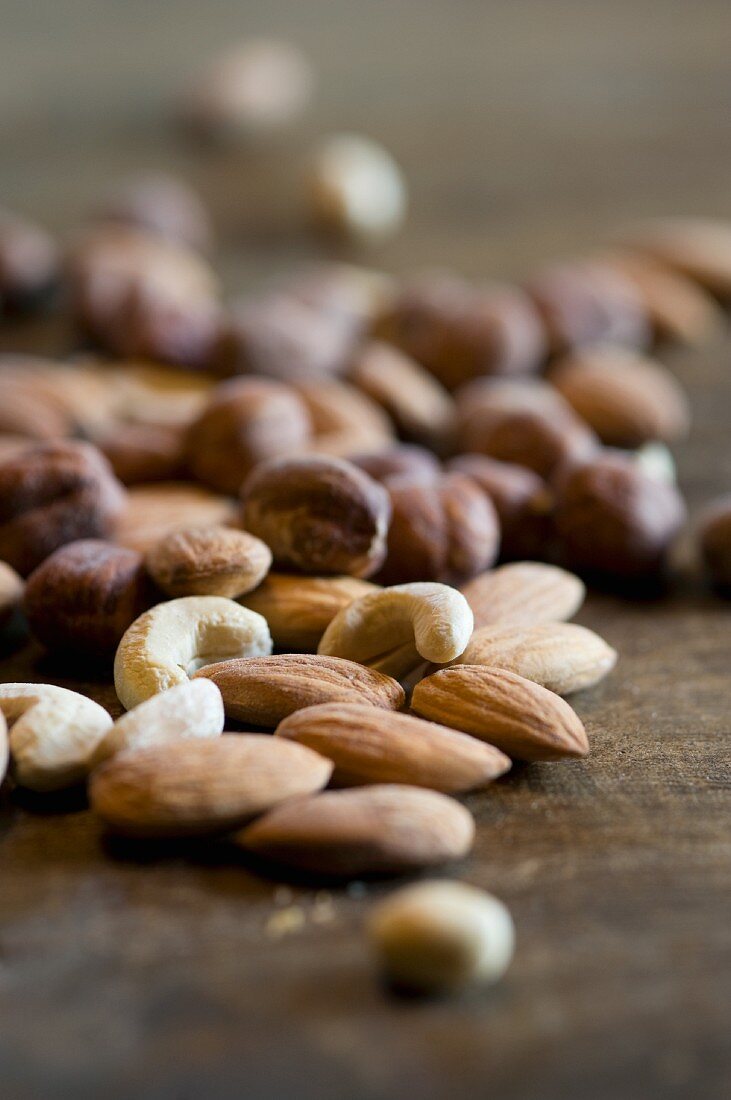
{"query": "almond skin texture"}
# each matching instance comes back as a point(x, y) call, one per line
point(563, 657)
point(697, 247)
point(521, 718)
point(153, 511)
point(299, 609)
point(264, 690)
point(524, 593)
point(208, 561)
point(202, 786)
point(370, 830)
point(370, 746)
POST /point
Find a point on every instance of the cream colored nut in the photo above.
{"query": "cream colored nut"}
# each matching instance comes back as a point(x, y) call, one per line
point(54, 734)
point(190, 710)
point(4, 747)
point(208, 561)
point(171, 641)
point(299, 608)
point(356, 188)
point(439, 936)
point(657, 461)
point(11, 591)
point(394, 629)
point(524, 592)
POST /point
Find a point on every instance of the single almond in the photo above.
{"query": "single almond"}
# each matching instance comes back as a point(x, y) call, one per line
point(264, 690)
point(523, 719)
point(524, 592)
point(367, 745)
point(380, 829)
point(200, 787)
point(563, 657)
point(208, 561)
point(299, 609)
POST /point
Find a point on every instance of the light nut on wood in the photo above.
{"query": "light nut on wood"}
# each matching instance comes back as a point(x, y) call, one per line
point(172, 640)
point(202, 786)
point(367, 745)
point(368, 830)
point(356, 188)
point(208, 561)
point(524, 593)
point(394, 629)
point(298, 609)
point(439, 936)
point(521, 718)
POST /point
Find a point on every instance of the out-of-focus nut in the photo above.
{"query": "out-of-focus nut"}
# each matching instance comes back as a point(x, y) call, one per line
point(318, 515)
point(170, 642)
point(84, 596)
point(346, 291)
point(697, 247)
point(657, 461)
point(4, 748)
point(153, 511)
point(406, 460)
point(246, 421)
point(524, 593)
point(162, 204)
point(298, 609)
point(160, 395)
point(345, 421)
point(11, 591)
point(395, 629)
point(208, 561)
point(27, 410)
point(141, 453)
point(356, 188)
point(714, 535)
point(51, 494)
point(28, 263)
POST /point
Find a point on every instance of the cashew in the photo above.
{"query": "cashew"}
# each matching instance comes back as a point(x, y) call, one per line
point(190, 710)
point(395, 629)
point(171, 641)
point(54, 734)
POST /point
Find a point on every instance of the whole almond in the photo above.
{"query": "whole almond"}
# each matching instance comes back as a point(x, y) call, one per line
point(381, 829)
point(264, 690)
point(524, 592)
point(369, 746)
point(208, 561)
point(563, 657)
point(697, 247)
point(203, 786)
point(523, 719)
point(299, 609)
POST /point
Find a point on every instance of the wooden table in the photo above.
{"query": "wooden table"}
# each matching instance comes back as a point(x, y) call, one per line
point(527, 131)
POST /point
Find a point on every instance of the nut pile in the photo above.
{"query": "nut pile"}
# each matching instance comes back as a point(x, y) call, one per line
point(316, 513)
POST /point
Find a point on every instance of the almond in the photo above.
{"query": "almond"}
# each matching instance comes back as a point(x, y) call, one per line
point(202, 786)
point(264, 690)
point(697, 247)
point(523, 719)
point(563, 657)
point(524, 592)
point(381, 829)
point(299, 609)
point(369, 746)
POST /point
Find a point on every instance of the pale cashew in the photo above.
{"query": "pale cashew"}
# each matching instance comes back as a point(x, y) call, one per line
point(190, 710)
point(395, 629)
point(54, 734)
point(171, 641)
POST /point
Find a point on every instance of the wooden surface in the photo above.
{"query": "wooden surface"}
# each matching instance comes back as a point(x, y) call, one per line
point(527, 131)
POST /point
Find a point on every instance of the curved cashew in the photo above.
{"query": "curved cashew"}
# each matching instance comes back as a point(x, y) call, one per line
point(171, 641)
point(395, 629)
point(54, 734)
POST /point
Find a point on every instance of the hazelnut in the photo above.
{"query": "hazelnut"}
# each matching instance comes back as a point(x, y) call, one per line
point(405, 460)
point(444, 530)
point(612, 518)
point(140, 453)
point(51, 494)
point(356, 188)
point(714, 535)
point(161, 204)
point(85, 595)
point(153, 511)
point(208, 561)
point(318, 515)
point(344, 420)
point(246, 421)
point(28, 263)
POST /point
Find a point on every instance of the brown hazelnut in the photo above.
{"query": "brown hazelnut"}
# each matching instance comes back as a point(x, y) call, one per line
point(28, 263)
point(208, 561)
point(344, 420)
point(85, 595)
point(445, 530)
point(51, 494)
point(612, 518)
point(153, 511)
point(140, 453)
point(161, 204)
point(714, 536)
point(405, 460)
point(246, 421)
point(318, 515)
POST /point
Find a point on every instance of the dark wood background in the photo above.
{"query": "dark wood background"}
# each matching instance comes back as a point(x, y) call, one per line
point(528, 131)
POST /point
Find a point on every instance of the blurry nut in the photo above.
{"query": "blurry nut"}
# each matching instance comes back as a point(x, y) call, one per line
point(167, 644)
point(162, 204)
point(524, 593)
point(439, 936)
point(356, 188)
point(141, 453)
point(208, 561)
point(26, 410)
point(51, 494)
point(445, 530)
point(11, 591)
point(84, 596)
point(318, 515)
point(697, 247)
point(626, 398)
point(485, 400)
point(28, 263)
point(404, 460)
point(394, 629)
point(54, 734)
point(349, 292)
point(4, 748)
point(153, 511)
point(298, 609)
point(541, 441)
point(157, 323)
point(160, 395)
point(656, 461)
point(247, 421)
point(714, 534)
point(345, 421)
point(612, 518)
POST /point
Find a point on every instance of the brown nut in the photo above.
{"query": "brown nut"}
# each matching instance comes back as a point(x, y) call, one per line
point(208, 561)
point(26, 409)
point(523, 593)
point(714, 536)
point(346, 291)
point(161, 204)
point(442, 530)
point(246, 421)
point(299, 609)
point(612, 518)
point(28, 263)
point(697, 247)
point(153, 511)
point(84, 596)
point(356, 188)
point(344, 420)
point(141, 453)
point(11, 594)
point(626, 398)
point(51, 494)
point(318, 515)
point(404, 460)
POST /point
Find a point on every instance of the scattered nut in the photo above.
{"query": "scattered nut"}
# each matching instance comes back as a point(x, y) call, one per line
point(345, 421)
point(524, 593)
point(208, 561)
point(28, 263)
point(162, 204)
point(298, 609)
point(154, 511)
point(356, 188)
point(697, 247)
point(141, 453)
point(403, 461)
